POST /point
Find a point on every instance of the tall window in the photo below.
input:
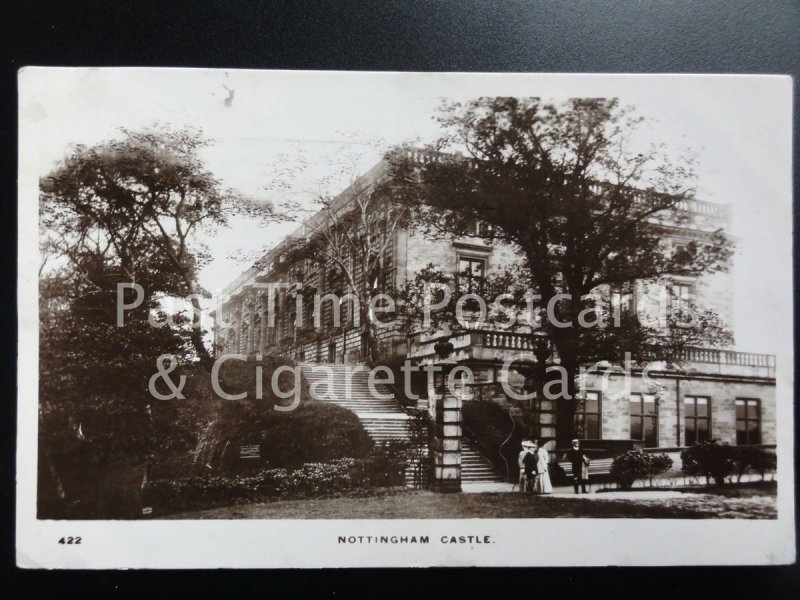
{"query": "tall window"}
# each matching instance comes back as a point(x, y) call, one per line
point(587, 416)
point(477, 228)
point(621, 299)
point(471, 273)
point(644, 419)
point(748, 421)
point(682, 295)
point(696, 419)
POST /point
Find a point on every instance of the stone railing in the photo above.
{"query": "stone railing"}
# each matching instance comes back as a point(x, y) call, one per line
point(477, 338)
point(421, 156)
point(694, 206)
point(728, 357)
point(236, 286)
point(502, 340)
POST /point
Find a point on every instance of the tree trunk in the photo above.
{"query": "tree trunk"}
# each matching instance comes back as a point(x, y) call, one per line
point(196, 337)
point(566, 405)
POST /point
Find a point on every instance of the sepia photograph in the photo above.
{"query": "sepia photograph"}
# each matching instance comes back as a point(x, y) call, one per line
point(346, 319)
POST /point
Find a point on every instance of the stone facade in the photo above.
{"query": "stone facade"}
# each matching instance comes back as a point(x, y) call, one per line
point(671, 391)
point(720, 377)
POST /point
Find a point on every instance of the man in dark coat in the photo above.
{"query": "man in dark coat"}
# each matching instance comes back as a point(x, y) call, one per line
point(580, 466)
point(529, 464)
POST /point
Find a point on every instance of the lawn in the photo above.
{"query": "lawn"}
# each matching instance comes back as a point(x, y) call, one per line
point(744, 503)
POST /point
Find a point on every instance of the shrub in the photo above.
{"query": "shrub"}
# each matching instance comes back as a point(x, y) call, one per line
point(84, 490)
point(752, 457)
point(635, 464)
point(764, 461)
point(710, 459)
point(241, 376)
point(311, 480)
point(313, 432)
point(382, 469)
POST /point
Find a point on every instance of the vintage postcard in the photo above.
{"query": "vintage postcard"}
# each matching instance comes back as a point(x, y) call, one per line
point(340, 319)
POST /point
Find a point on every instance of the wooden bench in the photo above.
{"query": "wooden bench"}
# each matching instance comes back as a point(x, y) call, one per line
point(598, 467)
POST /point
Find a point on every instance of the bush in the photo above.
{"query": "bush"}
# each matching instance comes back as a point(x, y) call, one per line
point(490, 425)
point(636, 464)
point(764, 461)
point(711, 459)
point(84, 491)
point(311, 480)
point(752, 457)
point(241, 376)
point(313, 432)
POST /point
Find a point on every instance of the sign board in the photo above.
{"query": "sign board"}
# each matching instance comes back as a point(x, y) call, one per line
point(250, 451)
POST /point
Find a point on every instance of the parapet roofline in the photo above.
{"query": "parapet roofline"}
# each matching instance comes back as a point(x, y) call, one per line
point(374, 174)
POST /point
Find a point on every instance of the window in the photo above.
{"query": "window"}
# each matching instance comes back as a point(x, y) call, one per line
point(471, 273)
point(345, 310)
point(587, 417)
point(682, 295)
point(696, 419)
point(748, 421)
point(684, 252)
point(644, 419)
point(477, 228)
point(621, 300)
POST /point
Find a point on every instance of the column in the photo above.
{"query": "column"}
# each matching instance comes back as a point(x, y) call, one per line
point(445, 445)
point(263, 336)
point(236, 326)
point(251, 325)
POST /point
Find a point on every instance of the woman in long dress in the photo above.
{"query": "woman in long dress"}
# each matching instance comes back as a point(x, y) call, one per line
point(543, 484)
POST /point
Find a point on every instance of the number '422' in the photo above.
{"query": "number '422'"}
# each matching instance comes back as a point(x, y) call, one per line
point(70, 540)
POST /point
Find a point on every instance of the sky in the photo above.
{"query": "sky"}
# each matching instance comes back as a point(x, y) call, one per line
point(263, 122)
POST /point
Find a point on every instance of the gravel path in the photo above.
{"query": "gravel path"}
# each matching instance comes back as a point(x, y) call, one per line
point(428, 505)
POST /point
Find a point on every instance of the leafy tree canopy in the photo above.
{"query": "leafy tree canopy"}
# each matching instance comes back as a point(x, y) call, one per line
point(583, 204)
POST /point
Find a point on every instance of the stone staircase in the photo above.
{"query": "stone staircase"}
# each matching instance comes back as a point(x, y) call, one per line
point(475, 468)
point(384, 419)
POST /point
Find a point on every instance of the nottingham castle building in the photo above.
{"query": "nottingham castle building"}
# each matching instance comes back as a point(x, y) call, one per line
point(718, 394)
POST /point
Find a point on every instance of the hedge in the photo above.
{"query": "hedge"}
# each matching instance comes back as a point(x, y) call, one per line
point(633, 465)
point(314, 432)
point(311, 480)
point(716, 461)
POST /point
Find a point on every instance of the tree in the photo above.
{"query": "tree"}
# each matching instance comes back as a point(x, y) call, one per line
point(97, 421)
point(129, 210)
point(350, 237)
point(123, 211)
point(583, 207)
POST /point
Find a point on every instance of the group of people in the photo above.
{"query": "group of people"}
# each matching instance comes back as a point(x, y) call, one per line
point(534, 466)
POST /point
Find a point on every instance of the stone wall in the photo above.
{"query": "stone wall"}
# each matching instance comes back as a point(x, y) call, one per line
point(615, 412)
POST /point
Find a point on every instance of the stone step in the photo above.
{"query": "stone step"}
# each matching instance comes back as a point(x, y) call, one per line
point(363, 400)
point(360, 408)
point(360, 401)
point(474, 466)
point(384, 419)
point(379, 429)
